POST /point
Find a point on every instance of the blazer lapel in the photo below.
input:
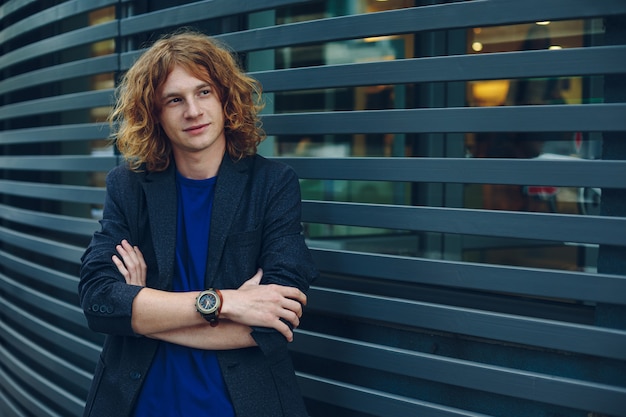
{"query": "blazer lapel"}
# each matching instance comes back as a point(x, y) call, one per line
point(160, 191)
point(231, 182)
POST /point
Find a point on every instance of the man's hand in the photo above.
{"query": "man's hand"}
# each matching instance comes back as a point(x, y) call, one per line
point(264, 305)
point(131, 265)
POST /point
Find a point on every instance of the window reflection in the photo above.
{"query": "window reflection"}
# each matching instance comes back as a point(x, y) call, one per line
point(552, 36)
point(101, 147)
point(562, 90)
point(535, 91)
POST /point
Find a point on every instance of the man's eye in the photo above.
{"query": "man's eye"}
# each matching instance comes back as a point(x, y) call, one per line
point(205, 92)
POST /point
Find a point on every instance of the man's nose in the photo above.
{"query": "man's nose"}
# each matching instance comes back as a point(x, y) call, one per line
point(193, 109)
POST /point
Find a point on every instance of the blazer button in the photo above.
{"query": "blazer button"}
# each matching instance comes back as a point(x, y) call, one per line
point(95, 307)
point(135, 375)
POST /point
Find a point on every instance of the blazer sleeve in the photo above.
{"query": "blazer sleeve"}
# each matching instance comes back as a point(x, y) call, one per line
point(285, 257)
point(104, 296)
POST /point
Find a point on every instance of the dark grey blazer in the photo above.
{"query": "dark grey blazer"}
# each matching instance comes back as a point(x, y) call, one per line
point(255, 223)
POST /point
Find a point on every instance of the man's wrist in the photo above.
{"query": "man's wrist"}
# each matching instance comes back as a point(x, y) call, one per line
point(209, 304)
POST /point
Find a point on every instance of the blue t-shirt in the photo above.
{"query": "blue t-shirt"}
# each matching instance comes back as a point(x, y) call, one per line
point(184, 381)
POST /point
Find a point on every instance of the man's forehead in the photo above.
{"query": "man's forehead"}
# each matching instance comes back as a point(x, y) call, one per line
point(181, 78)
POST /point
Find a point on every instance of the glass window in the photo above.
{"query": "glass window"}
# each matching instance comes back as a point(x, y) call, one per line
point(473, 93)
point(548, 145)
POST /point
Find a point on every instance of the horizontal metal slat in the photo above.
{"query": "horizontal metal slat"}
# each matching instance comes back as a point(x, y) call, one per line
point(557, 172)
point(521, 225)
point(548, 118)
point(75, 101)
point(53, 306)
point(373, 402)
point(45, 275)
point(59, 163)
point(72, 343)
point(57, 43)
point(200, 10)
point(45, 357)
point(47, 247)
point(52, 15)
point(74, 132)
point(503, 65)
point(11, 6)
point(65, 400)
point(69, 193)
point(68, 71)
point(568, 337)
point(49, 221)
point(420, 19)
point(557, 309)
point(528, 281)
point(22, 397)
point(6, 404)
point(549, 389)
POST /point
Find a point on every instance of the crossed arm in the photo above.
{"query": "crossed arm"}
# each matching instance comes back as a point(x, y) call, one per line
point(172, 317)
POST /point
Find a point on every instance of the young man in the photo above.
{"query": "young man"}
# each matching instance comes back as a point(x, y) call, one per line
point(198, 273)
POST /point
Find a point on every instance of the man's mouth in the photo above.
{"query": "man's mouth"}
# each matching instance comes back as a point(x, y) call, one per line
point(195, 128)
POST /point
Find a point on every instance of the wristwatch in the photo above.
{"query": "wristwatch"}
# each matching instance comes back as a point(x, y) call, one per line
point(209, 305)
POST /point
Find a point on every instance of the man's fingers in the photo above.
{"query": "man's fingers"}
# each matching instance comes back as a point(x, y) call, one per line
point(130, 263)
point(284, 330)
point(292, 306)
point(292, 318)
point(292, 293)
point(120, 266)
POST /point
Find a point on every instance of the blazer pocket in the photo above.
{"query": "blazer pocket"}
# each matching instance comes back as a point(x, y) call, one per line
point(242, 251)
point(246, 239)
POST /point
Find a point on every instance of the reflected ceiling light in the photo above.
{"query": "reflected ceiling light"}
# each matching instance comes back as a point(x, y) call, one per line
point(379, 38)
point(553, 47)
point(547, 22)
point(477, 46)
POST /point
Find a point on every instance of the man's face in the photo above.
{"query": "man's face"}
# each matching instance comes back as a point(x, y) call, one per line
point(191, 115)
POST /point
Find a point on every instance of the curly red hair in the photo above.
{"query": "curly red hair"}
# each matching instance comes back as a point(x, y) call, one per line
point(137, 132)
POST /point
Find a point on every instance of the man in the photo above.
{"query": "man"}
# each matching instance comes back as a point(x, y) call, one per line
point(198, 273)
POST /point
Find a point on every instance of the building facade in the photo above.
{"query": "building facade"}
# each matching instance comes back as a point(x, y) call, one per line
point(463, 171)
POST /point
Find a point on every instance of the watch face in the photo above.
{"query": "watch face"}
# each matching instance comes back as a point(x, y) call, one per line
point(207, 302)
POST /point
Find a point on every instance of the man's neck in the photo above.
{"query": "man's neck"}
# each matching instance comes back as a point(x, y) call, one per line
point(198, 168)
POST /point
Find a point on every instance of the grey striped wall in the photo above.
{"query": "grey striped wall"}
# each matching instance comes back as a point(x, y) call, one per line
point(383, 335)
